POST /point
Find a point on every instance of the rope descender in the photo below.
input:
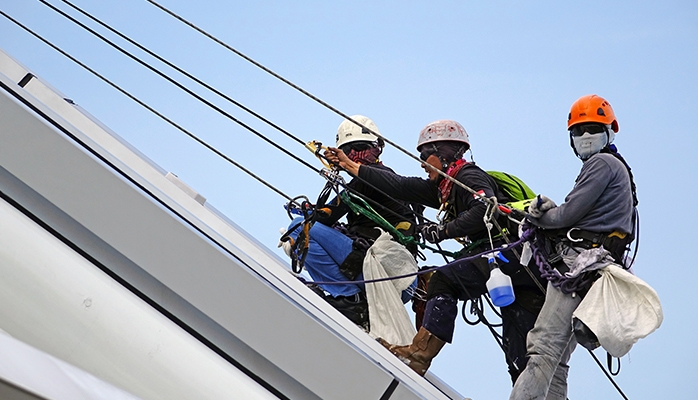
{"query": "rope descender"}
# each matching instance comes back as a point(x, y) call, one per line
point(315, 147)
point(299, 246)
point(309, 212)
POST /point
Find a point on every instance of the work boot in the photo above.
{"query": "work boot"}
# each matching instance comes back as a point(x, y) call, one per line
point(354, 307)
point(419, 354)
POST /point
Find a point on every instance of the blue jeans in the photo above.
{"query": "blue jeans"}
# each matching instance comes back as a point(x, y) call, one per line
point(550, 345)
point(328, 249)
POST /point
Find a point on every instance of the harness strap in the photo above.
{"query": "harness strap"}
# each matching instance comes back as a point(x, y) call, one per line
point(583, 238)
point(615, 242)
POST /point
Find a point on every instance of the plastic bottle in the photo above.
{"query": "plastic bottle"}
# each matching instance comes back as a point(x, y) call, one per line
point(500, 288)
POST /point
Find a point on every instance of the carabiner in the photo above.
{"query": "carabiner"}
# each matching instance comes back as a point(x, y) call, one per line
point(570, 237)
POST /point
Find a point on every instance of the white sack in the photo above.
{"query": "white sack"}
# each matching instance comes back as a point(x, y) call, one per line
point(386, 312)
point(620, 309)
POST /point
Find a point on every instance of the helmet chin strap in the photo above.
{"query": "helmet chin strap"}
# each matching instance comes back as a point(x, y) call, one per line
point(444, 164)
point(457, 156)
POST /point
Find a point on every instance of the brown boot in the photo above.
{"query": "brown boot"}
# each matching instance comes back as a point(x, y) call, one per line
point(419, 354)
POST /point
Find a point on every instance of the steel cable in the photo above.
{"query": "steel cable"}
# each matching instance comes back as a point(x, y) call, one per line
point(145, 105)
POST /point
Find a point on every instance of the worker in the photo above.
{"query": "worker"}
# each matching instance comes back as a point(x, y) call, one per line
point(442, 145)
point(337, 250)
point(591, 229)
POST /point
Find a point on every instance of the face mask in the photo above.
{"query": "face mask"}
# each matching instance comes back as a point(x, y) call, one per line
point(589, 144)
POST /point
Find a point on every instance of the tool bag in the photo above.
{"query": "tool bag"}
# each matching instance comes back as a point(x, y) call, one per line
point(388, 317)
point(620, 309)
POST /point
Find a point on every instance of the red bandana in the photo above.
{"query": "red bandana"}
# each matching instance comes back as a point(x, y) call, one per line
point(368, 156)
point(446, 185)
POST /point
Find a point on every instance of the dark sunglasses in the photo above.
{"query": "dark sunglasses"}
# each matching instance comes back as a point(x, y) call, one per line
point(357, 146)
point(593, 129)
point(427, 152)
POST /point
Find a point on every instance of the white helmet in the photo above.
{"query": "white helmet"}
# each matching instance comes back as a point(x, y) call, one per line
point(350, 132)
point(443, 130)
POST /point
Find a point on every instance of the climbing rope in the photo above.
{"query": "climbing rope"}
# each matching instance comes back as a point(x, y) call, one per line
point(311, 96)
point(610, 378)
point(182, 87)
point(175, 67)
point(358, 205)
point(432, 269)
point(308, 215)
point(209, 87)
point(147, 107)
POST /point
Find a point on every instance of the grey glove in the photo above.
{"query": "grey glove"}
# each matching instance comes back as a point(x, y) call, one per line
point(540, 205)
point(433, 233)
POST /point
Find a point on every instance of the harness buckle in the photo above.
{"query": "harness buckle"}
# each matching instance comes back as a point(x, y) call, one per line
point(570, 238)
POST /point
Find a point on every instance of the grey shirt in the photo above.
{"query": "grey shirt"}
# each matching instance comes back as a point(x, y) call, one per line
point(601, 200)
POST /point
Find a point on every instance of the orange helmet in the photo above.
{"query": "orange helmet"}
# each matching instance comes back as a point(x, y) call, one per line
point(592, 108)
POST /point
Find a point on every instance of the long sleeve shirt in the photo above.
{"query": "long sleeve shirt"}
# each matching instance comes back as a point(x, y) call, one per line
point(468, 209)
point(393, 211)
point(601, 200)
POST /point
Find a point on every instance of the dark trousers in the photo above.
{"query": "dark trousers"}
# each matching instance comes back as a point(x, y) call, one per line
point(467, 280)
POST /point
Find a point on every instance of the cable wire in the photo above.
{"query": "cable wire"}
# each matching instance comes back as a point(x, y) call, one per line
point(180, 70)
point(180, 86)
point(209, 87)
point(610, 378)
point(202, 142)
point(310, 95)
point(146, 106)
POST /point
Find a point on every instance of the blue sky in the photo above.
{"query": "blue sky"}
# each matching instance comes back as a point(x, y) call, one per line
point(507, 71)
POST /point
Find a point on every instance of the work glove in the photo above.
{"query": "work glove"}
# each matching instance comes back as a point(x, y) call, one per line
point(433, 232)
point(540, 205)
point(287, 246)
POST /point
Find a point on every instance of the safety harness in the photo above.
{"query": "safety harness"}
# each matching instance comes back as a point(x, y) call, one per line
point(547, 247)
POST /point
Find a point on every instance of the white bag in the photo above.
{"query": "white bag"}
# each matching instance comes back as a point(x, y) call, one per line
point(386, 312)
point(620, 309)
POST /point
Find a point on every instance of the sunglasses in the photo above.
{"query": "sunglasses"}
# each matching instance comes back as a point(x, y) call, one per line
point(357, 146)
point(593, 129)
point(427, 152)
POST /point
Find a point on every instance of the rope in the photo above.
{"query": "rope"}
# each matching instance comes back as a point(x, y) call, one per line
point(610, 378)
point(180, 70)
point(459, 261)
point(201, 99)
point(149, 108)
point(180, 86)
point(169, 79)
point(308, 94)
point(565, 284)
point(188, 91)
point(371, 214)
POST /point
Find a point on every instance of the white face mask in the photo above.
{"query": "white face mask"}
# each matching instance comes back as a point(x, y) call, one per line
point(587, 145)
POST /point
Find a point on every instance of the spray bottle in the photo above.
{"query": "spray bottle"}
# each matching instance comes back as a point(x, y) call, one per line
point(499, 285)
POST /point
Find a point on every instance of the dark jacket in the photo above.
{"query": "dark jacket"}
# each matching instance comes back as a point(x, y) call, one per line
point(393, 211)
point(465, 211)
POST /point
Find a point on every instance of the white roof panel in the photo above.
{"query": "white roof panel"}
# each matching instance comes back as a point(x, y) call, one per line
point(182, 257)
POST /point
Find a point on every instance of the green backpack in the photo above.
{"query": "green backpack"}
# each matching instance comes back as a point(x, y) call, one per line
point(514, 188)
